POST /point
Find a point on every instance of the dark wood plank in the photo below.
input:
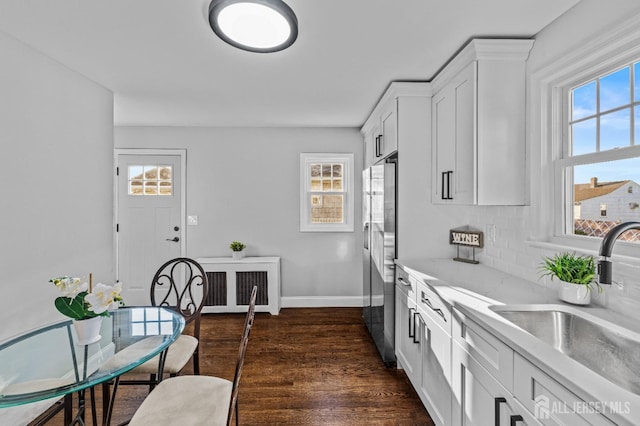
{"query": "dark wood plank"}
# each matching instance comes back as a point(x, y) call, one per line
point(303, 367)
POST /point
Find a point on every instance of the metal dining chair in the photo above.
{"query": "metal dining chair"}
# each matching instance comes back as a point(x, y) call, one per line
point(180, 284)
point(197, 400)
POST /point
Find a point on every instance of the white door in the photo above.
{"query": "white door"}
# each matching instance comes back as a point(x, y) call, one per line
point(149, 218)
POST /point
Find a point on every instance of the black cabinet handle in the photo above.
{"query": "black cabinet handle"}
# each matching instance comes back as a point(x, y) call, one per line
point(438, 311)
point(412, 327)
point(378, 146)
point(515, 419)
point(415, 333)
point(496, 408)
point(445, 192)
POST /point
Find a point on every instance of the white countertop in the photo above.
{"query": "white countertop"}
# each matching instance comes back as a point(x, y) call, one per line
point(473, 288)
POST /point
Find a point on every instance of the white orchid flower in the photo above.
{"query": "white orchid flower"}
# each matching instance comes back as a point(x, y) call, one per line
point(104, 298)
point(70, 287)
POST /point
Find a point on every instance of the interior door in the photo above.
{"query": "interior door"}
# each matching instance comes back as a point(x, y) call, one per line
point(149, 219)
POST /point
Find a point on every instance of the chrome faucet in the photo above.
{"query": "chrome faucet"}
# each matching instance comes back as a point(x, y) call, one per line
point(606, 247)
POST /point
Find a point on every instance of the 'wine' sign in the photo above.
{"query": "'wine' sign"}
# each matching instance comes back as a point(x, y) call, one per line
point(466, 237)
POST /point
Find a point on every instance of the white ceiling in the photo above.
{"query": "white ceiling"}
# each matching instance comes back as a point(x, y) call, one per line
point(166, 67)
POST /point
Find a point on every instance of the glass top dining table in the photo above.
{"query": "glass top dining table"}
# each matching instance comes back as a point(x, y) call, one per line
point(49, 362)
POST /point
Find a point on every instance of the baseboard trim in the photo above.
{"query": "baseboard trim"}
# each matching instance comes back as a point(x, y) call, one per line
point(322, 302)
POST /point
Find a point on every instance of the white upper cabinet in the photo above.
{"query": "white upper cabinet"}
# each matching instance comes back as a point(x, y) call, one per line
point(370, 141)
point(478, 125)
point(388, 139)
point(382, 129)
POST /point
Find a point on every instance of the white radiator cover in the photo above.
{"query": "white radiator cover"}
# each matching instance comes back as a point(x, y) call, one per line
point(231, 281)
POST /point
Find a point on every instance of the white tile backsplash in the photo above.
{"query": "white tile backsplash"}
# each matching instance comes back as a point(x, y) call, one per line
point(511, 253)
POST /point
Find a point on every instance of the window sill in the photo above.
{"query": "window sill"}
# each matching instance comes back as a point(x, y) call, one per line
point(327, 228)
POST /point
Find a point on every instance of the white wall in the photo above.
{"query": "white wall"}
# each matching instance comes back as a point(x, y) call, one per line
point(56, 133)
point(243, 184)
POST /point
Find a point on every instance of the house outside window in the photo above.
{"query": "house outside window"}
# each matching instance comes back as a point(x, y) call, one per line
point(600, 162)
point(326, 192)
point(603, 209)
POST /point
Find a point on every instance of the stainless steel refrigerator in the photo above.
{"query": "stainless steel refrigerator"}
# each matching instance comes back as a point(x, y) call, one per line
point(379, 227)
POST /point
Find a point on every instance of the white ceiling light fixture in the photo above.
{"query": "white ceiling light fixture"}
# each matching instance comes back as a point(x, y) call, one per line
point(254, 25)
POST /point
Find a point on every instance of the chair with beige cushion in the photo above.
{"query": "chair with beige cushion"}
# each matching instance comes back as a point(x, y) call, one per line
point(181, 285)
point(197, 400)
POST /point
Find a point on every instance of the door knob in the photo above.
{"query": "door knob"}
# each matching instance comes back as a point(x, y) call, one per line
point(176, 228)
point(174, 239)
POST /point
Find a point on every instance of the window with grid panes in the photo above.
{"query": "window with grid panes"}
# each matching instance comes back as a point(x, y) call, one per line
point(600, 157)
point(326, 192)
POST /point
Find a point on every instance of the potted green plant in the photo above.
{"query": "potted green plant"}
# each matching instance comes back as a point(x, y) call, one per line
point(237, 249)
point(576, 274)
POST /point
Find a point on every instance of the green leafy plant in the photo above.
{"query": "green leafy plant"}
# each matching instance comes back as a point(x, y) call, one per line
point(237, 246)
point(571, 268)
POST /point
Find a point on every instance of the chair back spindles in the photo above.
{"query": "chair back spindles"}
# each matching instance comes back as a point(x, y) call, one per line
point(180, 284)
point(242, 350)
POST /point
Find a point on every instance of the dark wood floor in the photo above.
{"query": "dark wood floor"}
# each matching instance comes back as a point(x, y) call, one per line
point(303, 367)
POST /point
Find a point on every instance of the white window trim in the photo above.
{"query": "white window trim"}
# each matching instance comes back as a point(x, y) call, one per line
point(348, 175)
point(605, 52)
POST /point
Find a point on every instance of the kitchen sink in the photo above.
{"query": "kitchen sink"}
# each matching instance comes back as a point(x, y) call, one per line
point(607, 349)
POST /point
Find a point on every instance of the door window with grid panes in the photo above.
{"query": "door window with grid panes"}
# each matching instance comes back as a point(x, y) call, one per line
point(150, 180)
point(326, 202)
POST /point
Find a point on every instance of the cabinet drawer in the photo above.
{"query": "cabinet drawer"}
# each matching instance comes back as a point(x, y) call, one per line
point(407, 283)
point(484, 347)
point(549, 401)
point(434, 306)
point(435, 369)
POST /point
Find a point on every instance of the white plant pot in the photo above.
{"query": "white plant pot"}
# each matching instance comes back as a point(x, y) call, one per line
point(577, 294)
point(237, 254)
point(88, 330)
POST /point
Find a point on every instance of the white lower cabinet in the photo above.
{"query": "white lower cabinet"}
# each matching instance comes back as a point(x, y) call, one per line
point(552, 403)
point(407, 347)
point(494, 385)
point(482, 378)
point(479, 399)
point(435, 367)
point(466, 376)
point(423, 344)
